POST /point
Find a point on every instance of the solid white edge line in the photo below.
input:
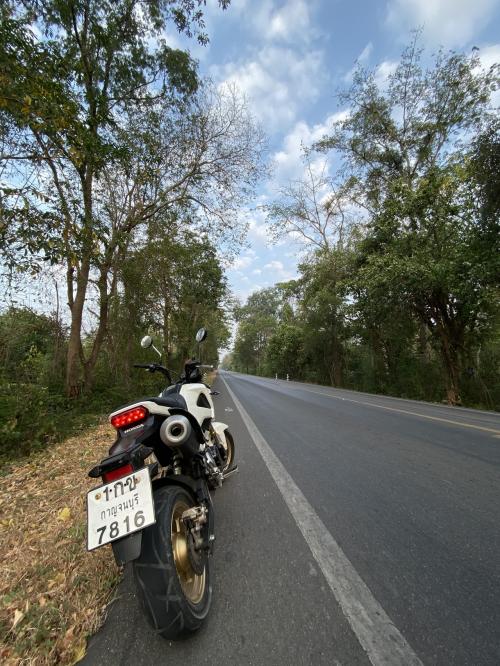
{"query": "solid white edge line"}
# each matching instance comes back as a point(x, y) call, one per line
point(375, 631)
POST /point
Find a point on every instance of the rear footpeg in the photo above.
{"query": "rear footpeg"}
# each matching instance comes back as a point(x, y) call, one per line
point(230, 472)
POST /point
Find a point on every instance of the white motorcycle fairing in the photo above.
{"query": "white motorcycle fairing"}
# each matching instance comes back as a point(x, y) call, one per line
point(199, 401)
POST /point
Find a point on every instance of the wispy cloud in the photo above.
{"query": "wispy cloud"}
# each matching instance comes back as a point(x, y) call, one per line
point(449, 23)
point(362, 59)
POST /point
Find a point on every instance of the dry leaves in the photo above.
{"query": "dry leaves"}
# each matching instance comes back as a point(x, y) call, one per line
point(64, 514)
point(53, 593)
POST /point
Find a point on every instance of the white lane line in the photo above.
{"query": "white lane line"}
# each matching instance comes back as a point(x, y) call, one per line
point(377, 634)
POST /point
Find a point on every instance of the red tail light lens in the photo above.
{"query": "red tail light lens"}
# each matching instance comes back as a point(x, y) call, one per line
point(129, 417)
point(114, 474)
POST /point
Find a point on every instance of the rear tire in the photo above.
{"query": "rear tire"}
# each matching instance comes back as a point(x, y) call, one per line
point(176, 600)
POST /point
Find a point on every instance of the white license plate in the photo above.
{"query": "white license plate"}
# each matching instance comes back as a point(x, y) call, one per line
point(119, 508)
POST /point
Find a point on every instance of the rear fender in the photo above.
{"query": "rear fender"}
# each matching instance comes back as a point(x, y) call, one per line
point(127, 549)
point(220, 431)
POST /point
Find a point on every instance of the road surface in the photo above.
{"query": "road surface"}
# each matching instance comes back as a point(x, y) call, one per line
point(360, 529)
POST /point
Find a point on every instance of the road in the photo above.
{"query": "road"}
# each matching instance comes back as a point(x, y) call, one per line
point(360, 529)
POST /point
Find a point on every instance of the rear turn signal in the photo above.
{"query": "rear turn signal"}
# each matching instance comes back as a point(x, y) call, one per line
point(129, 417)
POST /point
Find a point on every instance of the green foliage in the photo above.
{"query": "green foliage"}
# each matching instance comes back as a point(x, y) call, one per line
point(284, 351)
point(172, 285)
point(257, 321)
point(33, 410)
point(426, 246)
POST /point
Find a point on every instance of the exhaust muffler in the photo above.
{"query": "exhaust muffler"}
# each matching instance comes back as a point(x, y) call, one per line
point(175, 430)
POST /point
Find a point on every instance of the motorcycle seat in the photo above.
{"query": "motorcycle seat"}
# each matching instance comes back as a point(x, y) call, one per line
point(171, 400)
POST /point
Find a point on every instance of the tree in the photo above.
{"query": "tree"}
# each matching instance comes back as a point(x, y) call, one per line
point(403, 148)
point(284, 353)
point(100, 88)
point(257, 321)
point(313, 209)
point(170, 285)
point(324, 313)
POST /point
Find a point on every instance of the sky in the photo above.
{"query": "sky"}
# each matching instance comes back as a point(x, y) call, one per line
point(291, 58)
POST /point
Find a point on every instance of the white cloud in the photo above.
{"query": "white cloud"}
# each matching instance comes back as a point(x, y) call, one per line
point(288, 161)
point(258, 231)
point(489, 55)
point(244, 291)
point(275, 265)
point(365, 53)
point(445, 22)
point(241, 263)
point(256, 271)
point(289, 23)
point(277, 83)
point(383, 72)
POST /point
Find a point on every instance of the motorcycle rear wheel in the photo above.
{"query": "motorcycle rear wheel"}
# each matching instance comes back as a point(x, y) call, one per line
point(175, 598)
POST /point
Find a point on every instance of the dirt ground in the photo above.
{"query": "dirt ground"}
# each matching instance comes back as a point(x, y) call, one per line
point(53, 593)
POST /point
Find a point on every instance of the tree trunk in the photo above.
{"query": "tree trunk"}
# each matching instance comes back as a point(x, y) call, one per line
point(102, 329)
point(378, 360)
point(74, 356)
point(452, 368)
point(337, 364)
point(166, 328)
point(76, 301)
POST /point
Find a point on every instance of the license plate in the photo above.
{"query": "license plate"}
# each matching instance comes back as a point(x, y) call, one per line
point(119, 508)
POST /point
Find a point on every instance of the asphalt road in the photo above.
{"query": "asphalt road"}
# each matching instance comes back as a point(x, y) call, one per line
point(359, 529)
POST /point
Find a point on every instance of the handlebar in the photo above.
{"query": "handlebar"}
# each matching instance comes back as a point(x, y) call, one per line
point(155, 367)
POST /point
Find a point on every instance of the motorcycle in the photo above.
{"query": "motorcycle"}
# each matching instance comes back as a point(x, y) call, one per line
point(154, 505)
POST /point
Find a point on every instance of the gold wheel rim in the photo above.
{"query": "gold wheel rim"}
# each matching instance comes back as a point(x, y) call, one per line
point(230, 453)
point(192, 584)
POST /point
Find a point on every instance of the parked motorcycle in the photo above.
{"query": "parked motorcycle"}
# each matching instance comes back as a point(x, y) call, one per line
point(154, 506)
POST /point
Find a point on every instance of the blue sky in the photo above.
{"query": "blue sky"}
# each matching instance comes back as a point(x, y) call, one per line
point(289, 59)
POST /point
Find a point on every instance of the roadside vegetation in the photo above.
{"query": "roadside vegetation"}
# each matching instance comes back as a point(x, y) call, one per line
point(398, 212)
point(53, 593)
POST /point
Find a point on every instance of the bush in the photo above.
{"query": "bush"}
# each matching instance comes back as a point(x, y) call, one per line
point(27, 417)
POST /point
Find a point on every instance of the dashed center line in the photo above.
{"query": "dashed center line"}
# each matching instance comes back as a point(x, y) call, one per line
point(406, 411)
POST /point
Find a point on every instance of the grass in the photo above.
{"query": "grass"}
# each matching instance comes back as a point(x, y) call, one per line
point(53, 593)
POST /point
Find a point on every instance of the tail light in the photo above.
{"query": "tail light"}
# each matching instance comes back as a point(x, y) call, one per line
point(117, 473)
point(129, 417)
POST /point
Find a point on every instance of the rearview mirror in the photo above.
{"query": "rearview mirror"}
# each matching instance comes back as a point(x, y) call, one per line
point(146, 342)
point(201, 334)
